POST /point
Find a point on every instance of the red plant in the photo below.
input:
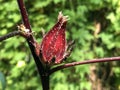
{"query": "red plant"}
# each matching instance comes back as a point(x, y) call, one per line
point(53, 46)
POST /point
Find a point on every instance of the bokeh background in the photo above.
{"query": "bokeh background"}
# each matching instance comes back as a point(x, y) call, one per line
point(93, 24)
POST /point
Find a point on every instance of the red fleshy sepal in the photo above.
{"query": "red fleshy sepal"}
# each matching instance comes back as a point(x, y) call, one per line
point(53, 45)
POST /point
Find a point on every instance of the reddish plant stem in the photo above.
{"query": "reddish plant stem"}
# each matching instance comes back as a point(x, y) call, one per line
point(9, 35)
point(24, 14)
point(43, 72)
point(84, 62)
point(45, 79)
point(25, 19)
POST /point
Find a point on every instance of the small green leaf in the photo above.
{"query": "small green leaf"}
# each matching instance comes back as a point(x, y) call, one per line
point(3, 81)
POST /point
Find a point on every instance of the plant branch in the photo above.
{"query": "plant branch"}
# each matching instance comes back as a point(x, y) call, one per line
point(31, 41)
point(32, 44)
point(84, 62)
point(24, 14)
point(9, 35)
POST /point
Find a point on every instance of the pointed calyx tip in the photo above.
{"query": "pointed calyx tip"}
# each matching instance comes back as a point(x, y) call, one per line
point(63, 18)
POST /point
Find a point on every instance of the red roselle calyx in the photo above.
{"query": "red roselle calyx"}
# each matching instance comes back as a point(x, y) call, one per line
point(53, 47)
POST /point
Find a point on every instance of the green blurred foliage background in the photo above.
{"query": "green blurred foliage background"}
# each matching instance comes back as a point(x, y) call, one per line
point(93, 24)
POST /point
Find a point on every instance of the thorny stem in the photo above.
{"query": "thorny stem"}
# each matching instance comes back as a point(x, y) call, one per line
point(31, 41)
point(109, 59)
point(11, 34)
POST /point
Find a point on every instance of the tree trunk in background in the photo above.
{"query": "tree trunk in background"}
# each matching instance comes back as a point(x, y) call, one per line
point(102, 77)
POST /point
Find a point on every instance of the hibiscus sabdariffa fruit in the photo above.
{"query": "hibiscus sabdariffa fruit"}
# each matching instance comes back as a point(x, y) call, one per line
point(53, 48)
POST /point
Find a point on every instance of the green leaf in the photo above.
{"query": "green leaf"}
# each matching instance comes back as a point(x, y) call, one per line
point(3, 81)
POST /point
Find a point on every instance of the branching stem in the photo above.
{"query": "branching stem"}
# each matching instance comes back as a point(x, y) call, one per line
point(31, 42)
point(9, 35)
point(43, 72)
point(109, 59)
